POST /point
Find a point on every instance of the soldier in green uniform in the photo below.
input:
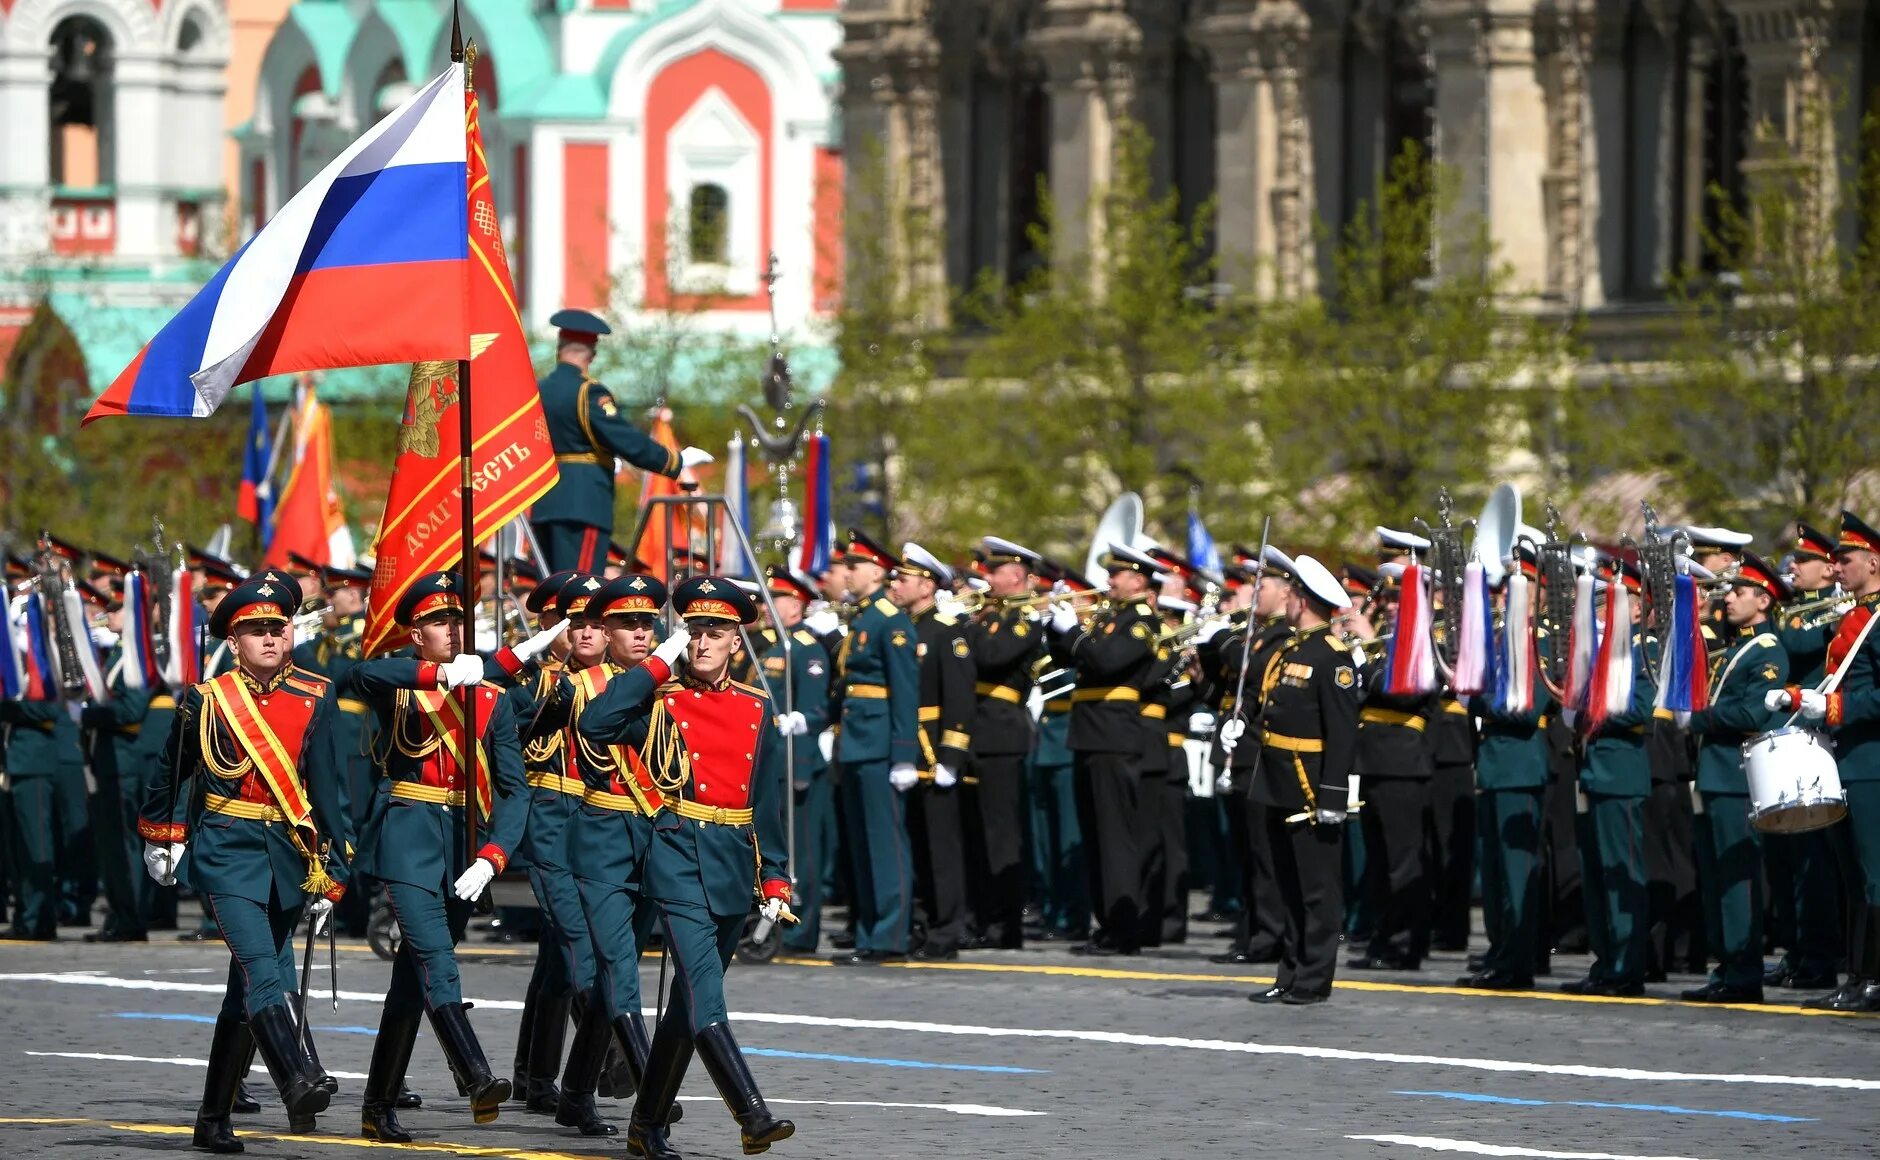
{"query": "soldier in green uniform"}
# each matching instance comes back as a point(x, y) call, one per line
point(946, 713)
point(112, 731)
point(1511, 781)
point(415, 838)
point(1852, 715)
point(585, 426)
point(808, 664)
point(332, 651)
point(1057, 841)
point(1005, 646)
point(1805, 903)
point(712, 754)
point(879, 747)
point(1751, 664)
point(259, 831)
point(1614, 780)
point(38, 735)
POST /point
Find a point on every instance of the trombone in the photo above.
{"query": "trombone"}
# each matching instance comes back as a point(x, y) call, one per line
point(1819, 612)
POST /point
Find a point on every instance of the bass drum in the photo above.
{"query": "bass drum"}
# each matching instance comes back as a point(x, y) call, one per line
point(1794, 785)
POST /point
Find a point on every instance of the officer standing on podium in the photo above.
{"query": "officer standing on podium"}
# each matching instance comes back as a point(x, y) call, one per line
point(585, 426)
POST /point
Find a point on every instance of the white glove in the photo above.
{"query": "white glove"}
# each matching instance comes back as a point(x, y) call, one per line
point(693, 456)
point(1202, 722)
point(826, 742)
point(1063, 618)
point(1814, 705)
point(673, 647)
point(776, 910)
point(160, 861)
point(1331, 817)
point(792, 724)
point(822, 623)
point(472, 882)
point(1210, 630)
point(321, 912)
point(538, 644)
point(1224, 783)
point(943, 777)
point(1777, 700)
point(462, 669)
point(75, 710)
point(1231, 733)
point(903, 777)
point(103, 637)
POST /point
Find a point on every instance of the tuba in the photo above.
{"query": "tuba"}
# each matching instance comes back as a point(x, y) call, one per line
point(1121, 524)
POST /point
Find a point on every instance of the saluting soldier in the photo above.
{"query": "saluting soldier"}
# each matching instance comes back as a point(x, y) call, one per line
point(712, 753)
point(1743, 672)
point(808, 664)
point(1806, 908)
point(946, 712)
point(576, 517)
point(415, 838)
point(1005, 646)
point(258, 832)
point(1114, 658)
point(1308, 750)
point(878, 746)
point(1852, 715)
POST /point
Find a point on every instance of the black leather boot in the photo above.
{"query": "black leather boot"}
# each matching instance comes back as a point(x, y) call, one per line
point(575, 1108)
point(486, 1092)
point(313, 1056)
point(228, 1054)
point(666, 1060)
point(294, 1077)
point(525, 1039)
point(1862, 993)
point(634, 1046)
point(616, 1080)
point(391, 1055)
point(245, 1102)
point(756, 1126)
point(546, 1037)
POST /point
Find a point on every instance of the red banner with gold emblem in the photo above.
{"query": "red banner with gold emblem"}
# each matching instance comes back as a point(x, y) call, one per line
point(512, 463)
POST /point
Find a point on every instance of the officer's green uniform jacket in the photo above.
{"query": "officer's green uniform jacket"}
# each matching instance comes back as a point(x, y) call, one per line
point(1614, 761)
point(1854, 707)
point(1751, 663)
point(40, 739)
point(333, 653)
point(117, 746)
point(809, 693)
point(421, 843)
point(879, 667)
point(225, 853)
point(588, 432)
point(1512, 750)
point(541, 707)
point(607, 845)
point(695, 746)
point(1807, 647)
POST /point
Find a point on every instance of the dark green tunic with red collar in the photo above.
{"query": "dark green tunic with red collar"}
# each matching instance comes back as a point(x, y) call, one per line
point(588, 433)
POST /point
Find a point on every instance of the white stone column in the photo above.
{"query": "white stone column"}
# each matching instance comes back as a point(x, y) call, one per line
point(1088, 49)
point(25, 206)
point(138, 140)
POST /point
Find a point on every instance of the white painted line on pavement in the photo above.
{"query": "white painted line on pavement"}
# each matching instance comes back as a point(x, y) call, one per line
point(178, 1060)
point(1475, 1148)
point(1118, 1038)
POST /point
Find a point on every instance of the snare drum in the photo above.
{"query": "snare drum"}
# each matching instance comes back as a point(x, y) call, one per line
point(1794, 785)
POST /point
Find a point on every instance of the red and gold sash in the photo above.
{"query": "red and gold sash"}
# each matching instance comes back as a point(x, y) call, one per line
point(630, 771)
point(276, 759)
point(445, 713)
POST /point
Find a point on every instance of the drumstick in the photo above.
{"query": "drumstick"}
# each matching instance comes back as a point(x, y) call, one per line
point(1833, 682)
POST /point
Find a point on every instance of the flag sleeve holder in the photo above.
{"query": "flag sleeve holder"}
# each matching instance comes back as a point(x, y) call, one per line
point(466, 495)
point(708, 509)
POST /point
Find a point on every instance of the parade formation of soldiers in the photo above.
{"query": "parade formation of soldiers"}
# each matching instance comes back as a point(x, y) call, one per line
point(977, 756)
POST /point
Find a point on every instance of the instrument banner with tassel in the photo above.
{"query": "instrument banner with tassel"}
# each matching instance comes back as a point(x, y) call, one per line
point(1683, 681)
point(140, 658)
point(1476, 656)
point(1516, 665)
point(1582, 646)
point(42, 678)
point(1610, 692)
point(185, 666)
point(814, 556)
point(75, 635)
point(1410, 660)
point(15, 684)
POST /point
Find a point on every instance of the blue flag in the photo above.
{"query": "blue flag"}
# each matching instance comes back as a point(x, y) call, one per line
point(255, 503)
point(1201, 551)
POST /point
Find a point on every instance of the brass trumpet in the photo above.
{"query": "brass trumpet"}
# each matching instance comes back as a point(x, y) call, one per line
point(1819, 612)
point(1182, 633)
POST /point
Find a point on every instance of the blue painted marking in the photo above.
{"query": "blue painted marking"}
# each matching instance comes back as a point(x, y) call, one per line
point(1479, 1098)
point(775, 1053)
point(171, 1017)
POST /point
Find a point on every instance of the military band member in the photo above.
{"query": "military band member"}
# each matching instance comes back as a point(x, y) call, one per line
point(712, 753)
point(1051, 778)
point(1311, 689)
point(1005, 646)
point(1743, 672)
point(808, 665)
point(1114, 658)
point(945, 718)
point(112, 730)
point(258, 831)
point(1852, 715)
point(415, 838)
point(576, 517)
point(878, 747)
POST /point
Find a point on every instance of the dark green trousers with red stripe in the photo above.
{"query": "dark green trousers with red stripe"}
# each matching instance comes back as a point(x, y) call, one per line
point(1612, 868)
point(572, 547)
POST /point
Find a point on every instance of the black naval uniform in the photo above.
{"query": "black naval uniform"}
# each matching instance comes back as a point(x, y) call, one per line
point(933, 821)
point(1114, 656)
point(1005, 645)
point(1262, 921)
point(1394, 758)
point(1308, 751)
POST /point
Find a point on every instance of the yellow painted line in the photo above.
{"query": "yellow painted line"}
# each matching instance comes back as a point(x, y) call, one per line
point(1359, 985)
point(441, 1147)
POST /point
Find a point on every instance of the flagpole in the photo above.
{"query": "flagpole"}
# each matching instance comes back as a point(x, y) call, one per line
point(467, 502)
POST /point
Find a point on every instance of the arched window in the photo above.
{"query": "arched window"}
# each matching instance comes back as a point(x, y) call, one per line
point(80, 104)
point(708, 225)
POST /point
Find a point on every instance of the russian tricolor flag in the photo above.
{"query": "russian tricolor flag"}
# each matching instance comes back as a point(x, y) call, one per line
point(369, 263)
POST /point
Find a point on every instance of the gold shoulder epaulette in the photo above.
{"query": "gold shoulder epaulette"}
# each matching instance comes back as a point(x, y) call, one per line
point(1338, 643)
point(1766, 640)
point(945, 619)
point(885, 606)
point(753, 690)
point(804, 636)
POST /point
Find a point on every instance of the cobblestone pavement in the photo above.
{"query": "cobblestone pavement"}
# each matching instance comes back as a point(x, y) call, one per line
point(1027, 1054)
